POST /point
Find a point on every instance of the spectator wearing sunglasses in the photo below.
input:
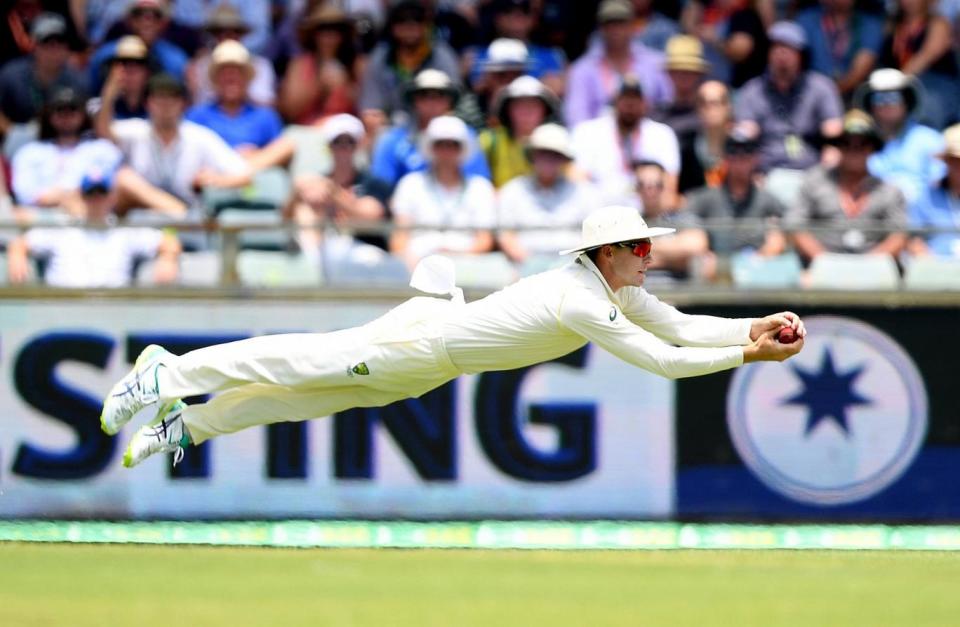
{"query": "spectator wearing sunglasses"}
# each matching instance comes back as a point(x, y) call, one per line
point(25, 83)
point(148, 20)
point(227, 23)
point(855, 211)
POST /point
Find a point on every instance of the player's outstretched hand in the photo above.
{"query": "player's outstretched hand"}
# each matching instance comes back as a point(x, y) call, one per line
point(767, 348)
point(777, 321)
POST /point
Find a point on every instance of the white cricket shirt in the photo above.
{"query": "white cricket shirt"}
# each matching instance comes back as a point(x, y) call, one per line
point(548, 315)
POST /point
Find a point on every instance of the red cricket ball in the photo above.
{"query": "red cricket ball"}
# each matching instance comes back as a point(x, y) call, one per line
point(787, 336)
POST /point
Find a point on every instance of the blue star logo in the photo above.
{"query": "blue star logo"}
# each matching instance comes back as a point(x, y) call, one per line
point(827, 394)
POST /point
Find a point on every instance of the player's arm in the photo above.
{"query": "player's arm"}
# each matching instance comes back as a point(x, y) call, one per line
point(674, 326)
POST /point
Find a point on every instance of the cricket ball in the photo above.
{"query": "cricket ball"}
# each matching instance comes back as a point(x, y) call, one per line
point(787, 336)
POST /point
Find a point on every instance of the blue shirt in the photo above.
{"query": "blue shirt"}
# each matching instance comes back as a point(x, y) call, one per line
point(866, 34)
point(543, 61)
point(909, 160)
point(397, 153)
point(254, 125)
point(163, 55)
point(936, 208)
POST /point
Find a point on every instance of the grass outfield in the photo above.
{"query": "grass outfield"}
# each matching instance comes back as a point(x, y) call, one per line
point(61, 585)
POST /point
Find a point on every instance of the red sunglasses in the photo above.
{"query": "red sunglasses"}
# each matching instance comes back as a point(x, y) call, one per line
point(640, 249)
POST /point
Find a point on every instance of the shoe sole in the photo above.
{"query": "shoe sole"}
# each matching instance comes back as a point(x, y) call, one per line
point(165, 409)
point(145, 355)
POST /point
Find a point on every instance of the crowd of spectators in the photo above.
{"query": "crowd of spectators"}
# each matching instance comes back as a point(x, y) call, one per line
point(755, 127)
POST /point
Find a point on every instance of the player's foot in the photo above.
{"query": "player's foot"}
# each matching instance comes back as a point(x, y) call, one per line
point(165, 434)
point(133, 392)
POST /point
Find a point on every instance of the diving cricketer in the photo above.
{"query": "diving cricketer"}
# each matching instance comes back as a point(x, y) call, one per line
point(428, 340)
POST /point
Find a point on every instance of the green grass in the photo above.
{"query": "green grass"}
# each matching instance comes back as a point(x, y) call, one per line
point(100, 585)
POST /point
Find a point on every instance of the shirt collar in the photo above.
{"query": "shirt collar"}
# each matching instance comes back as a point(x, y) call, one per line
point(584, 260)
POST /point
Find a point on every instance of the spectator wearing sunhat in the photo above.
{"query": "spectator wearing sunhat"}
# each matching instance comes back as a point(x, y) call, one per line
point(538, 213)
point(521, 107)
point(29, 80)
point(47, 172)
point(939, 206)
point(739, 197)
point(321, 80)
point(909, 155)
point(256, 14)
point(595, 77)
point(344, 194)
point(125, 90)
point(148, 20)
point(606, 148)
point(224, 23)
point(790, 109)
point(101, 256)
point(507, 59)
point(854, 211)
point(408, 49)
point(243, 124)
point(515, 19)
point(398, 150)
point(442, 196)
point(687, 69)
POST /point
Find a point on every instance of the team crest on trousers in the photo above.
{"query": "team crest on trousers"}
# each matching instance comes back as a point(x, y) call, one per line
point(837, 423)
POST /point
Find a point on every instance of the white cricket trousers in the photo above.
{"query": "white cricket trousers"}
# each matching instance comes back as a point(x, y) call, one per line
point(292, 377)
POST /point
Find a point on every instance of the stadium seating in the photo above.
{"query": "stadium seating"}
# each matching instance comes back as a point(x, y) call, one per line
point(258, 268)
point(835, 271)
point(753, 271)
point(932, 273)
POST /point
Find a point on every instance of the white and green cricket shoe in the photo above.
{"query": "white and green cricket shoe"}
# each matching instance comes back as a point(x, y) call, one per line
point(136, 390)
point(165, 434)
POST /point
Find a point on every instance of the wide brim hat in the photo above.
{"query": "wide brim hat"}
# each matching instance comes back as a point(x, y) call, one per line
point(342, 124)
point(525, 87)
point(449, 128)
point(230, 52)
point(432, 80)
point(612, 225)
point(130, 48)
point(889, 79)
point(685, 54)
point(226, 17)
point(551, 138)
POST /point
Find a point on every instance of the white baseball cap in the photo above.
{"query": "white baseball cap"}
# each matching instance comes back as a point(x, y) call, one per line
point(342, 124)
point(614, 224)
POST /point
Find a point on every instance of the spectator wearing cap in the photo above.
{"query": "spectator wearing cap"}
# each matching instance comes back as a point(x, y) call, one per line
point(539, 213)
point(243, 124)
point(939, 206)
point(255, 14)
point(322, 80)
point(854, 211)
point(739, 197)
point(25, 83)
point(225, 23)
point(790, 108)
point(650, 27)
point(47, 172)
point(515, 19)
point(441, 197)
point(596, 76)
point(687, 69)
point(919, 43)
point(909, 155)
point(398, 149)
point(843, 41)
point(124, 93)
point(605, 148)
point(344, 194)
point(408, 48)
point(174, 155)
point(523, 106)
point(148, 20)
point(97, 253)
point(701, 157)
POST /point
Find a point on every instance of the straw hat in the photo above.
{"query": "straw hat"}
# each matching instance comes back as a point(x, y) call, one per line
point(685, 53)
point(130, 47)
point(951, 140)
point(230, 52)
point(611, 225)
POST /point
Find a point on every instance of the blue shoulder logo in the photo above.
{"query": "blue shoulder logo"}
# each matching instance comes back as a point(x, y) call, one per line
point(836, 424)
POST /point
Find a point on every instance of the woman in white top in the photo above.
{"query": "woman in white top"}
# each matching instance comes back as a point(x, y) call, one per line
point(443, 197)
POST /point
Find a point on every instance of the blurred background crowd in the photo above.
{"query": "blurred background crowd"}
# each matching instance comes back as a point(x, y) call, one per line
point(791, 143)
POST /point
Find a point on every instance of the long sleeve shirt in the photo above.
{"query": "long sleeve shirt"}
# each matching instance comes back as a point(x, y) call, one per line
point(548, 315)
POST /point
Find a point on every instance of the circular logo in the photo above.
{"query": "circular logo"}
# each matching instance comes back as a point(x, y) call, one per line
point(835, 424)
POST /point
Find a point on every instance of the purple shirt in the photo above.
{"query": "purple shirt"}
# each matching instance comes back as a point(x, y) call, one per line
point(592, 83)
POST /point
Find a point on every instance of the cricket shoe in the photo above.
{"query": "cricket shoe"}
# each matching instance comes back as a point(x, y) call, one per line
point(133, 392)
point(165, 434)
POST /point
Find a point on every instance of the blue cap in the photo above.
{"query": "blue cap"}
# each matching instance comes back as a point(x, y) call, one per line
point(789, 34)
point(96, 181)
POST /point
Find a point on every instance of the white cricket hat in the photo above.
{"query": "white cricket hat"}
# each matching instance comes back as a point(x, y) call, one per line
point(506, 54)
point(614, 224)
point(551, 137)
point(342, 124)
